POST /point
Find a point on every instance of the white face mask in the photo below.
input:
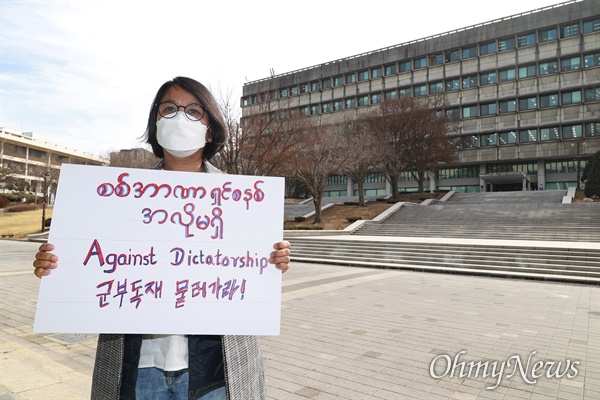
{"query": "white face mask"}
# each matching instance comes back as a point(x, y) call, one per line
point(180, 136)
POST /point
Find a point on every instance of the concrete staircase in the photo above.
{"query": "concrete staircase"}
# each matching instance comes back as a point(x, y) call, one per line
point(510, 234)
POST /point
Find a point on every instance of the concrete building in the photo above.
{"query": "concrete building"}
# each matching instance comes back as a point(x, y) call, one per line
point(35, 162)
point(525, 89)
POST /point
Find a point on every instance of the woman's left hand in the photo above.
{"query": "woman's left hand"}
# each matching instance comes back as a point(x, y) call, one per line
point(281, 256)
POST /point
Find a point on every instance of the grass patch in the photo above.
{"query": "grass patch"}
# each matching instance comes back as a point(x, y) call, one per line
point(17, 225)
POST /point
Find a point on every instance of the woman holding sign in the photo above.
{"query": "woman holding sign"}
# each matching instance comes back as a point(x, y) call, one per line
point(185, 128)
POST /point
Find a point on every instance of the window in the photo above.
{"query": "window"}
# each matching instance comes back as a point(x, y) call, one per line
point(245, 102)
point(527, 71)
point(469, 52)
point(549, 134)
point(528, 136)
point(376, 98)
point(390, 69)
point(471, 141)
point(489, 139)
point(591, 60)
point(507, 106)
point(469, 82)
point(487, 48)
point(274, 95)
point(293, 91)
point(338, 105)
point(283, 92)
point(570, 64)
point(390, 94)
point(506, 44)
point(314, 86)
point(453, 113)
point(363, 101)
point(304, 110)
point(350, 103)
point(487, 79)
point(488, 109)
point(549, 100)
point(326, 83)
point(548, 35)
point(338, 81)
point(404, 66)
point(452, 55)
point(405, 92)
point(337, 180)
point(573, 97)
point(363, 76)
point(572, 131)
point(314, 109)
point(526, 39)
point(508, 138)
point(506, 75)
point(569, 30)
point(304, 88)
point(436, 87)
point(420, 90)
point(350, 78)
point(592, 129)
point(529, 103)
point(469, 112)
point(592, 94)
point(592, 25)
point(420, 63)
point(452, 85)
point(436, 59)
point(374, 178)
point(376, 73)
point(550, 67)
point(326, 107)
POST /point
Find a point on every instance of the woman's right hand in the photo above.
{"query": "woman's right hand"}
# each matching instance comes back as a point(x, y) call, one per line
point(44, 261)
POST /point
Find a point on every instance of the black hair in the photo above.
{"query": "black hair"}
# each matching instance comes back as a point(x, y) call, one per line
point(218, 128)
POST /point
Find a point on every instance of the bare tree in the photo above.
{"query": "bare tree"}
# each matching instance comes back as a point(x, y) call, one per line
point(320, 157)
point(361, 153)
point(259, 144)
point(410, 134)
point(133, 158)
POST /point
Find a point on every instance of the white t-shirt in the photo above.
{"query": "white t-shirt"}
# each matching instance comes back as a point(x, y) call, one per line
point(166, 352)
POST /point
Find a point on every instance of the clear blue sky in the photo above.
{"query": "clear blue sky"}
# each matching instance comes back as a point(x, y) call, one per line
point(82, 74)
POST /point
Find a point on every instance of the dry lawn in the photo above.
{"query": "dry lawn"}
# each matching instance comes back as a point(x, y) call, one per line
point(17, 225)
point(336, 217)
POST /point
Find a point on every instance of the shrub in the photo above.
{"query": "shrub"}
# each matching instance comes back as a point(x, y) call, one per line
point(4, 202)
point(353, 219)
point(299, 219)
point(23, 207)
point(303, 228)
point(350, 203)
point(592, 184)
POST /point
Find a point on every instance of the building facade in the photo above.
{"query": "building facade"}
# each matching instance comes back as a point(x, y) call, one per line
point(525, 90)
point(36, 163)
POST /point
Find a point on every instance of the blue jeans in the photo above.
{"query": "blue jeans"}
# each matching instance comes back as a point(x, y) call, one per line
point(156, 384)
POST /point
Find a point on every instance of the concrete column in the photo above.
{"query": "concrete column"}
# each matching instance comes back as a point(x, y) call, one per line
point(432, 182)
point(524, 185)
point(541, 175)
point(349, 187)
point(388, 187)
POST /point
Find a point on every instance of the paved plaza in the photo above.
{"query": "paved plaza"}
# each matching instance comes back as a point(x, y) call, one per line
point(359, 333)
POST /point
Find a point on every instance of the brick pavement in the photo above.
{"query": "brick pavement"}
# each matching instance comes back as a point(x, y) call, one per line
point(357, 333)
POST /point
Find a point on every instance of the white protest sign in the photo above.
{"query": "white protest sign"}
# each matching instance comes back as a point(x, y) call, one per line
point(147, 251)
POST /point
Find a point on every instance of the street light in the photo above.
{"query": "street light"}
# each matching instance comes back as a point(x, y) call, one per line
point(45, 175)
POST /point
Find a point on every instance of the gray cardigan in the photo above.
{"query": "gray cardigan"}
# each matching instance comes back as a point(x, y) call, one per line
point(242, 358)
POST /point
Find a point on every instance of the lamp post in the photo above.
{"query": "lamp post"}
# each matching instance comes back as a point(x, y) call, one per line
point(45, 175)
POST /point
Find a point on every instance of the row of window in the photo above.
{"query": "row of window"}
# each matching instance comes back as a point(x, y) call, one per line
point(526, 104)
point(533, 135)
point(464, 53)
point(473, 171)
